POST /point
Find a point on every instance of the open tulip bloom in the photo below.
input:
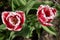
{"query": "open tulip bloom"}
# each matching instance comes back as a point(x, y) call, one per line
point(13, 20)
point(32, 19)
point(46, 14)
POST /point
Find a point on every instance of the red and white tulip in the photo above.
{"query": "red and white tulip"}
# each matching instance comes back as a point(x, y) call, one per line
point(13, 20)
point(46, 14)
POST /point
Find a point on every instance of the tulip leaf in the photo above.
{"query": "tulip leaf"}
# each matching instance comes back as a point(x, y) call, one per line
point(23, 2)
point(26, 31)
point(16, 2)
point(30, 33)
point(58, 14)
point(1, 38)
point(19, 2)
point(2, 27)
point(52, 28)
point(12, 6)
point(29, 5)
point(48, 30)
point(11, 35)
point(58, 7)
point(37, 4)
point(37, 25)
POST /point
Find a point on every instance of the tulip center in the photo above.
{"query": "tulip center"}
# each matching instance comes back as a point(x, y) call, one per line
point(14, 20)
point(47, 12)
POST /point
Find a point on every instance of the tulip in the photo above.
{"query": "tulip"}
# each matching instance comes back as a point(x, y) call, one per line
point(13, 20)
point(45, 15)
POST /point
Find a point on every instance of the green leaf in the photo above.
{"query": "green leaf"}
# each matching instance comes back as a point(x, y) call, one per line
point(58, 14)
point(2, 27)
point(20, 8)
point(37, 25)
point(50, 3)
point(48, 30)
point(30, 32)
point(16, 2)
point(37, 4)
point(1, 38)
point(29, 5)
point(23, 2)
point(2, 35)
point(57, 7)
point(12, 6)
point(11, 35)
point(52, 28)
point(26, 31)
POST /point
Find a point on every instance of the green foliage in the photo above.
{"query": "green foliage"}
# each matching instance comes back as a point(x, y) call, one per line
point(23, 5)
point(29, 5)
point(31, 22)
point(58, 13)
point(2, 27)
point(49, 30)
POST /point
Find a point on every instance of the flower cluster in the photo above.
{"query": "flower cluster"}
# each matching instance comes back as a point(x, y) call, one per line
point(14, 20)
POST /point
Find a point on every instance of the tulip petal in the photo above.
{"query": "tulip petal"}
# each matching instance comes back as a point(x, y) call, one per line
point(22, 15)
point(18, 28)
point(4, 15)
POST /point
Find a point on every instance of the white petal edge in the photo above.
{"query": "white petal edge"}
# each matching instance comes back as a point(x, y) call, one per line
point(3, 16)
point(45, 22)
point(13, 29)
point(18, 29)
point(23, 15)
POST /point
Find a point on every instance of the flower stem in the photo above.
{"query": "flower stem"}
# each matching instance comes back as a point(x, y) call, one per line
point(38, 36)
point(38, 32)
point(11, 35)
